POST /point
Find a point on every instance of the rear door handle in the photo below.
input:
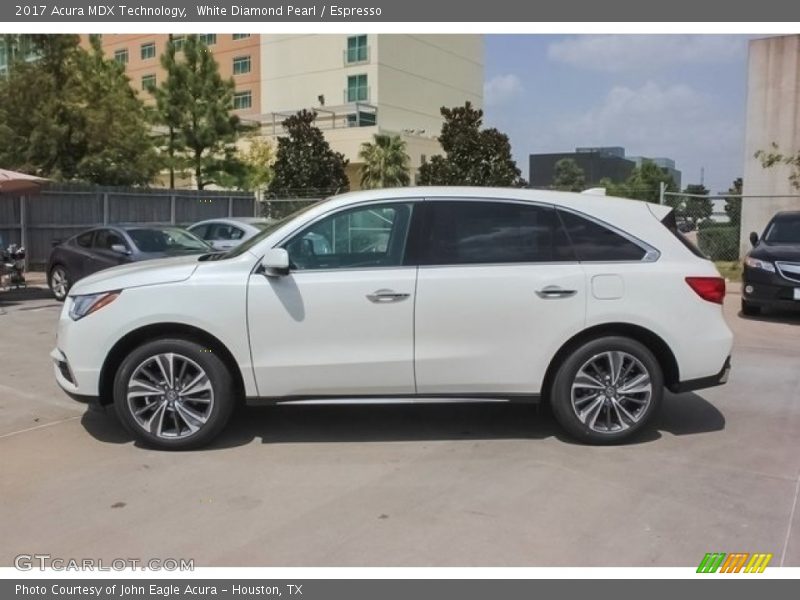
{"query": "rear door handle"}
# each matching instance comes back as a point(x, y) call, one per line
point(553, 291)
point(386, 296)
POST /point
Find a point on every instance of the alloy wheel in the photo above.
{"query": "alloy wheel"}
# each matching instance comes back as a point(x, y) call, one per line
point(170, 396)
point(611, 392)
point(59, 283)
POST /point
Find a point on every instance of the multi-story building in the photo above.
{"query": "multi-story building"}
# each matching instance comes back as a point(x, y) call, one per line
point(359, 85)
point(597, 163)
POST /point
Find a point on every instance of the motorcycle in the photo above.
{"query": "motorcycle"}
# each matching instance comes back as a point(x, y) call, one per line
point(12, 267)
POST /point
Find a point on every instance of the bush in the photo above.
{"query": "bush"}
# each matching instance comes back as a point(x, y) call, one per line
point(719, 243)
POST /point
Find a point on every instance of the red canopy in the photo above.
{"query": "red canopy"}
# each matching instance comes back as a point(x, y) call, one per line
point(15, 183)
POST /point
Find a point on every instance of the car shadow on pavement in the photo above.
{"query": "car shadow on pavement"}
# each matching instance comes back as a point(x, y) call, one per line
point(19, 296)
point(784, 317)
point(685, 414)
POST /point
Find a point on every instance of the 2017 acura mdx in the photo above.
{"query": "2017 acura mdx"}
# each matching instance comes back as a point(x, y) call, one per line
point(596, 304)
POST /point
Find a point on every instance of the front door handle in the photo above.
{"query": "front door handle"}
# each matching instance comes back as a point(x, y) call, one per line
point(553, 291)
point(386, 296)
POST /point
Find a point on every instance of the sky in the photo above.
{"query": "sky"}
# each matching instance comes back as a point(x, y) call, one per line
point(675, 96)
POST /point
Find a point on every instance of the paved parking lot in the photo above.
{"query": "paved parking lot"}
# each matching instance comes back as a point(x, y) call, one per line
point(448, 485)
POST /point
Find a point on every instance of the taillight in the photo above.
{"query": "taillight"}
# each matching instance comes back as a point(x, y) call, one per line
point(711, 289)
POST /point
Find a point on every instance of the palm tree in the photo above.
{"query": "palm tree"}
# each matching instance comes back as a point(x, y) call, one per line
point(385, 162)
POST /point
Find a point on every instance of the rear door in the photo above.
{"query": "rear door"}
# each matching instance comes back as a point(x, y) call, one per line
point(498, 292)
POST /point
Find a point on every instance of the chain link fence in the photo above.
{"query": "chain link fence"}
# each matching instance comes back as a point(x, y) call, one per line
point(712, 223)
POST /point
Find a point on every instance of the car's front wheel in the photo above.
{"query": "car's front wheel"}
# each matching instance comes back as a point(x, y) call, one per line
point(606, 390)
point(174, 394)
point(59, 281)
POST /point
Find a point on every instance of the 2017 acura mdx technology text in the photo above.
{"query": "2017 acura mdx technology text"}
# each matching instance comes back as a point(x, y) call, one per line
point(594, 304)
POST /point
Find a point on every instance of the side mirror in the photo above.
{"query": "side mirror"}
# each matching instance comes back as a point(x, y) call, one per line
point(275, 262)
point(753, 238)
point(120, 249)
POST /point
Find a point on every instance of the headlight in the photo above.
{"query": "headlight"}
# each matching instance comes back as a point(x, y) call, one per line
point(755, 263)
point(86, 305)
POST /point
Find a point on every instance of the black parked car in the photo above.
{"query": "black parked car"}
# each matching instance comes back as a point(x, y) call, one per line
point(105, 247)
point(772, 268)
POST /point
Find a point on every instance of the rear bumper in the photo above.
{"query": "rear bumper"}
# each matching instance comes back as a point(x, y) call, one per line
point(691, 385)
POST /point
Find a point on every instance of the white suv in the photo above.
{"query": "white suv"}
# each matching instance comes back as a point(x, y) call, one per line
point(433, 294)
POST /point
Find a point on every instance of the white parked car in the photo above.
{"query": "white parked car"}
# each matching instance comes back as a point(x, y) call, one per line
point(432, 294)
point(229, 232)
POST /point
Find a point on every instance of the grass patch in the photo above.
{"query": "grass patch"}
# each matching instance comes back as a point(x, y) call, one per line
point(730, 269)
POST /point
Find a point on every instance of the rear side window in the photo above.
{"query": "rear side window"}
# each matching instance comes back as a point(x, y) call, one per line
point(593, 242)
point(475, 232)
point(84, 240)
point(671, 223)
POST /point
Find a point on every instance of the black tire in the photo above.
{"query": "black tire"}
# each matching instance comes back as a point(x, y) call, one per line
point(749, 309)
point(561, 390)
point(52, 282)
point(221, 383)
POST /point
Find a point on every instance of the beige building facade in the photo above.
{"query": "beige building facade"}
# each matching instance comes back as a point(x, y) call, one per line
point(773, 116)
point(360, 84)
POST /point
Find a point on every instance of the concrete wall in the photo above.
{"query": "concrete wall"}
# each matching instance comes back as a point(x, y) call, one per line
point(773, 115)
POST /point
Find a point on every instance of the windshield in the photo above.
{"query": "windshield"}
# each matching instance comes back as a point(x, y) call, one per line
point(267, 228)
point(168, 239)
point(784, 230)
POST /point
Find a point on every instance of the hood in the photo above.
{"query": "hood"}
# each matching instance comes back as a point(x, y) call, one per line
point(779, 252)
point(138, 274)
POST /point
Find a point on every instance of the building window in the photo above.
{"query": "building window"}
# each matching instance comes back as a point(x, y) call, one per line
point(148, 50)
point(148, 82)
point(121, 56)
point(357, 90)
point(209, 39)
point(243, 100)
point(178, 41)
point(357, 48)
point(241, 64)
point(361, 119)
point(240, 36)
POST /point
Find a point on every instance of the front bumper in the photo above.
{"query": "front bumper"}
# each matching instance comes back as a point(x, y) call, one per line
point(704, 382)
point(66, 379)
point(764, 289)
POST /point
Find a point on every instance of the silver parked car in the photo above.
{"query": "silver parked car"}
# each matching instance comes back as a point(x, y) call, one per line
point(229, 232)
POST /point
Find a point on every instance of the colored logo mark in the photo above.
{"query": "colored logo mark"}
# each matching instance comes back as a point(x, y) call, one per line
point(737, 562)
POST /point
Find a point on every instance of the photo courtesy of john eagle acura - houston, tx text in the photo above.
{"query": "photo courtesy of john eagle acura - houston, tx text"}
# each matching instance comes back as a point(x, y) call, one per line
point(407, 295)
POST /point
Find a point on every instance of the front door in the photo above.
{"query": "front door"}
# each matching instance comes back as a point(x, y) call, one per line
point(499, 290)
point(341, 323)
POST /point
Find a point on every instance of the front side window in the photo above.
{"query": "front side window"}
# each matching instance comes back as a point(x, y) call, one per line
point(106, 238)
point(84, 240)
point(363, 237)
point(595, 243)
point(225, 232)
point(478, 232)
point(357, 90)
point(357, 48)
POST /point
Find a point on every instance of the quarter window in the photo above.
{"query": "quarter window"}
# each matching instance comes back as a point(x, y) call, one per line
point(364, 237)
point(476, 232)
point(595, 243)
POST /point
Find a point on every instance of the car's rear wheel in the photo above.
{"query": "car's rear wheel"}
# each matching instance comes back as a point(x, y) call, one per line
point(59, 281)
point(174, 394)
point(607, 390)
point(749, 309)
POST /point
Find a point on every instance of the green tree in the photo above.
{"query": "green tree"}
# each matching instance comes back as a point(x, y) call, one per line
point(71, 115)
point(644, 182)
point(697, 209)
point(254, 170)
point(733, 203)
point(305, 165)
point(386, 162)
point(618, 189)
point(194, 104)
point(472, 156)
point(775, 157)
point(569, 177)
